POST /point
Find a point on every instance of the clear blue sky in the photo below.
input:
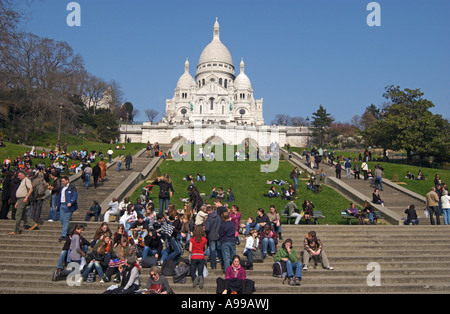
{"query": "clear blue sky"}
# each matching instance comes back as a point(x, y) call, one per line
point(298, 54)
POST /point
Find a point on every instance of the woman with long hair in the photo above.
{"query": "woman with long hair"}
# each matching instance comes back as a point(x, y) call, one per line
point(197, 247)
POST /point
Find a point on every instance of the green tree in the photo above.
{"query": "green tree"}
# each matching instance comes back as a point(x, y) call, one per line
point(407, 123)
point(321, 124)
point(107, 126)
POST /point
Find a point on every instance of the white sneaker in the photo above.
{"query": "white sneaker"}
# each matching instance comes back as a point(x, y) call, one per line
point(305, 267)
point(50, 220)
point(329, 268)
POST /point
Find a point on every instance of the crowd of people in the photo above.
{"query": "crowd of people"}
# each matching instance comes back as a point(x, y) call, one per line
point(209, 231)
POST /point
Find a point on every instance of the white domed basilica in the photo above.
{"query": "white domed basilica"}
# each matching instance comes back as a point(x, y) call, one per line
point(216, 94)
point(215, 105)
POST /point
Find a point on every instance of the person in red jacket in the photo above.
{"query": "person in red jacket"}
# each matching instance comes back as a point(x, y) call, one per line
point(197, 247)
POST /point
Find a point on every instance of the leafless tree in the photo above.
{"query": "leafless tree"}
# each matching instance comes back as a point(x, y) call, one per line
point(151, 114)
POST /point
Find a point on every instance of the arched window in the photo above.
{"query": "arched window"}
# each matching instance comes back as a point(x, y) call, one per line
point(225, 83)
point(201, 109)
point(211, 100)
point(220, 82)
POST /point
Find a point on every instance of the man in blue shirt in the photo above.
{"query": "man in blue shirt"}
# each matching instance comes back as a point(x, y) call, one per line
point(66, 205)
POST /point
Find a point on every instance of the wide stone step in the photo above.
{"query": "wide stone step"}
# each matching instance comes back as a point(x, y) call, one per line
point(210, 287)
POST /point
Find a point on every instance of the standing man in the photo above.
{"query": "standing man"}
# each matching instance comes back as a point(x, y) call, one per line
point(87, 175)
point(66, 204)
point(110, 153)
point(338, 169)
point(53, 215)
point(228, 238)
point(128, 161)
point(348, 168)
point(378, 177)
point(96, 173)
point(433, 205)
point(212, 225)
point(294, 175)
point(23, 194)
point(364, 169)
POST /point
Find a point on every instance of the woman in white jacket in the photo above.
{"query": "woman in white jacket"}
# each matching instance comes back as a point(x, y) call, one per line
point(251, 244)
point(445, 199)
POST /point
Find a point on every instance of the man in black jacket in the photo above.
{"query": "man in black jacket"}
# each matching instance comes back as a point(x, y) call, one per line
point(212, 225)
point(165, 192)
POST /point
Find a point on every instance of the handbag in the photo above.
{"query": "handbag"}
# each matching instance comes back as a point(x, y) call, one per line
point(257, 256)
point(116, 262)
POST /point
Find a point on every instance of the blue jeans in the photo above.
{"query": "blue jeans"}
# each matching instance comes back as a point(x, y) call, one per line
point(214, 250)
point(87, 179)
point(296, 183)
point(65, 219)
point(148, 251)
point(172, 251)
point(248, 253)
point(268, 242)
point(248, 226)
point(163, 204)
point(294, 266)
point(446, 212)
point(53, 214)
point(89, 267)
point(119, 164)
point(228, 251)
point(379, 180)
point(275, 228)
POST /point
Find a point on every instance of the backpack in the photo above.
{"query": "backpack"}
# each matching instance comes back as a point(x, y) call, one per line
point(246, 264)
point(168, 268)
point(181, 272)
point(257, 256)
point(149, 261)
point(279, 269)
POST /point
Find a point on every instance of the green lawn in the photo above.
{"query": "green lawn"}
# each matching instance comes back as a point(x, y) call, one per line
point(248, 185)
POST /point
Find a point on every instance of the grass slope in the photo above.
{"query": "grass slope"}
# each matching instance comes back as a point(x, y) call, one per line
point(248, 184)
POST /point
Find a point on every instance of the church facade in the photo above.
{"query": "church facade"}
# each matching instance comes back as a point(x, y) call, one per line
point(214, 104)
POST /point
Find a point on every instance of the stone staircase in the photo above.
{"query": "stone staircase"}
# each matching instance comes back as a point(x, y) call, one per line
point(412, 259)
point(105, 190)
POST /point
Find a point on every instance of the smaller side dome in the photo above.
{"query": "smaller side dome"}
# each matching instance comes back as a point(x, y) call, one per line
point(242, 81)
point(186, 81)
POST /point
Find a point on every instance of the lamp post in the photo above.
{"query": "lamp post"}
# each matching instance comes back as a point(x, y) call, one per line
point(59, 127)
point(307, 122)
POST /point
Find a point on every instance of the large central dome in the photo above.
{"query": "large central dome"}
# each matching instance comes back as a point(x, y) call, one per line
point(215, 56)
point(215, 52)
